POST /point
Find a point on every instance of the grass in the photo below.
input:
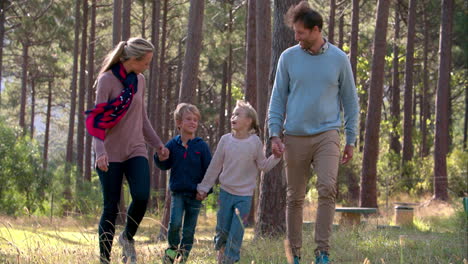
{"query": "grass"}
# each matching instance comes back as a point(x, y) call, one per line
point(439, 235)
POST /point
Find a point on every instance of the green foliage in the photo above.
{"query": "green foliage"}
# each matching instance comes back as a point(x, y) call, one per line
point(24, 183)
point(457, 169)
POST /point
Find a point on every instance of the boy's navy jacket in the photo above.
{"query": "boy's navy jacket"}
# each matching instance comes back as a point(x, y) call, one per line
point(188, 165)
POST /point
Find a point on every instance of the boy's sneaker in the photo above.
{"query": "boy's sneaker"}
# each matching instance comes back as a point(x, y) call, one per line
point(321, 257)
point(128, 249)
point(296, 260)
point(169, 256)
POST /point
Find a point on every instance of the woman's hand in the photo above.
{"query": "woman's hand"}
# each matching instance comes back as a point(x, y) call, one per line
point(103, 162)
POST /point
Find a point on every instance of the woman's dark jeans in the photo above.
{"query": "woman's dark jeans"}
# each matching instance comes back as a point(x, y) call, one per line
point(136, 170)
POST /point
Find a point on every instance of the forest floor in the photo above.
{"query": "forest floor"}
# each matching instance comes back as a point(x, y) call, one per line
point(439, 235)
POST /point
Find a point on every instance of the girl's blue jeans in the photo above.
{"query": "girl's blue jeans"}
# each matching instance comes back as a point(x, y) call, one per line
point(230, 226)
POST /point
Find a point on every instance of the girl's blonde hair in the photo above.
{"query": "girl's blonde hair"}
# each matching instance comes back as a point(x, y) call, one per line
point(133, 47)
point(184, 108)
point(251, 113)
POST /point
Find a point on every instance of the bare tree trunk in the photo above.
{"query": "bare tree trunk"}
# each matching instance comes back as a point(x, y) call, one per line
point(271, 216)
point(45, 154)
point(371, 148)
point(143, 19)
point(395, 145)
point(3, 5)
point(408, 111)
point(263, 23)
point(340, 31)
point(117, 22)
point(153, 95)
point(354, 38)
point(222, 105)
point(24, 82)
point(33, 107)
point(165, 219)
point(126, 18)
point(465, 129)
point(90, 90)
point(442, 103)
point(192, 53)
point(250, 88)
point(331, 22)
point(229, 68)
point(81, 94)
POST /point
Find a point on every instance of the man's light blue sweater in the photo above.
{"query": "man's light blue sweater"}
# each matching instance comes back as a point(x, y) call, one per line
point(309, 91)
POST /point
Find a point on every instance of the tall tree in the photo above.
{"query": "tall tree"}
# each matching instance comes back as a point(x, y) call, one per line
point(331, 22)
point(117, 22)
point(425, 105)
point(408, 109)
point(24, 81)
point(45, 153)
point(442, 103)
point(126, 18)
point(353, 50)
point(81, 94)
point(222, 106)
point(395, 145)
point(3, 5)
point(33, 107)
point(263, 50)
point(250, 87)
point(90, 88)
point(368, 196)
point(271, 217)
point(192, 51)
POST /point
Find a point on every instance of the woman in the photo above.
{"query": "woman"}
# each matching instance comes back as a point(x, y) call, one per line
point(121, 130)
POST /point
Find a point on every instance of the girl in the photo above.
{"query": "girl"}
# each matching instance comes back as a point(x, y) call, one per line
point(238, 158)
point(120, 129)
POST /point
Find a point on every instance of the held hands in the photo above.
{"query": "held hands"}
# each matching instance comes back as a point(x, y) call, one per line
point(163, 153)
point(103, 162)
point(277, 147)
point(201, 195)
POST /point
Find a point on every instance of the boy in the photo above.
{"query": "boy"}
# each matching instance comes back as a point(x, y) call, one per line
point(188, 160)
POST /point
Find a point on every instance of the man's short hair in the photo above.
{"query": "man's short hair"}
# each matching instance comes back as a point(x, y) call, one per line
point(303, 13)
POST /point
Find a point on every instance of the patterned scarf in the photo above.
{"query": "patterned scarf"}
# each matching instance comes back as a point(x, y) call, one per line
point(107, 115)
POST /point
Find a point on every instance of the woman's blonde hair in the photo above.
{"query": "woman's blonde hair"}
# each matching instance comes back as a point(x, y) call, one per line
point(251, 113)
point(133, 47)
point(184, 108)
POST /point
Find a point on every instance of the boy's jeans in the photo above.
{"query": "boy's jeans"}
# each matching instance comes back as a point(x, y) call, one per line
point(184, 209)
point(229, 229)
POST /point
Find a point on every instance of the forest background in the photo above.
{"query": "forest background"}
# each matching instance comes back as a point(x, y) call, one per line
point(409, 58)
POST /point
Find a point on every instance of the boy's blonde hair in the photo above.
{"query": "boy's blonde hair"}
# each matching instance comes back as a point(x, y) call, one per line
point(251, 113)
point(184, 108)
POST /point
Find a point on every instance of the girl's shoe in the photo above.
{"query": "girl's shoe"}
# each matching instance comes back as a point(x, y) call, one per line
point(321, 257)
point(169, 256)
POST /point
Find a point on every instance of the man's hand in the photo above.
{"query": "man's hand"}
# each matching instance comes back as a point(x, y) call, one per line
point(163, 153)
point(277, 147)
point(103, 162)
point(347, 154)
point(201, 195)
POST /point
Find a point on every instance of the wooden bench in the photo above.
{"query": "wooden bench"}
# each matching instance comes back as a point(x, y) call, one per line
point(352, 215)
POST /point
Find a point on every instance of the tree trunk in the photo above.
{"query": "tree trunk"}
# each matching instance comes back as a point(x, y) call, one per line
point(165, 219)
point(340, 31)
point(331, 22)
point(263, 23)
point(371, 148)
point(250, 88)
point(3, 5)
point(222, 105)
point(408, 109)
point(353, 50)
point(192, 53)
point(395, 145)
point(442, 103)
point(47, 128)
point(229, 68)
point(24, 82)
point(33, 107)
point(152, 96)
point(90, 90)
point(143, 19)
point(126, 18)
point(465, 129)
point(271, 216)
point(81, 94)
point(425, 107)
point(117, 22)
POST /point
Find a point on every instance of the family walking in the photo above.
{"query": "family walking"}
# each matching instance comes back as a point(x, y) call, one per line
point(314, 84)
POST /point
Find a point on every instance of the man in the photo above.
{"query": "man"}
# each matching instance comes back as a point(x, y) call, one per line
point(313, 83)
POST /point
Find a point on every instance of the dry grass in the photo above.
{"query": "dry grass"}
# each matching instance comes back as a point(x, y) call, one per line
point(439, 236)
